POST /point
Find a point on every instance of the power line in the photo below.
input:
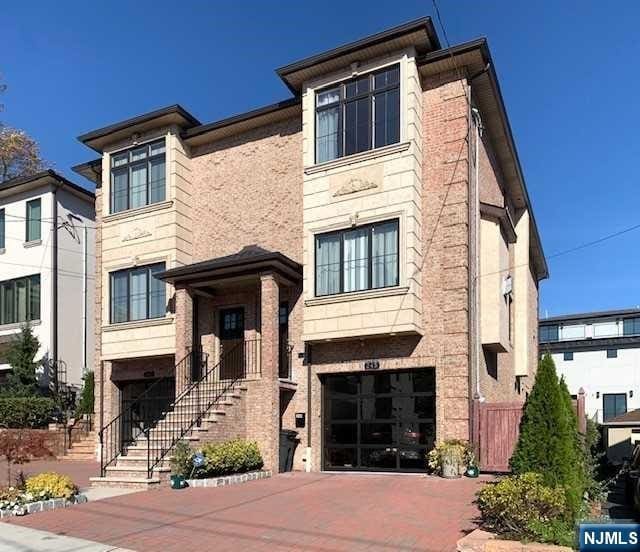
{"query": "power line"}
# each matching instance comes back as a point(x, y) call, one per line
point(570, 250)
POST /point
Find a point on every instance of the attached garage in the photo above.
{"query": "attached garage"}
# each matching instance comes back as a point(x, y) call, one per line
point(378, 421)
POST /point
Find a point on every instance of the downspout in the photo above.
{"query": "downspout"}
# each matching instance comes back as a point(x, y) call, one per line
point(54, 291)
point(475, 341)
point(84, 301)
point(308, 452)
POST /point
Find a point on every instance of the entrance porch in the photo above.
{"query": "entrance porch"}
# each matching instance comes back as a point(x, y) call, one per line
point(232, 326)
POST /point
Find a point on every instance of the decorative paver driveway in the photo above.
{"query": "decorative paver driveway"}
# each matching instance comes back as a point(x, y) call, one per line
point(319, 512)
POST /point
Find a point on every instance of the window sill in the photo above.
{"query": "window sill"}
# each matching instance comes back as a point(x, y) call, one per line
point(138, 324)
point(356, 296)
point(18, 325)
point(357, 158)
point(32, 243)
point(139, 211)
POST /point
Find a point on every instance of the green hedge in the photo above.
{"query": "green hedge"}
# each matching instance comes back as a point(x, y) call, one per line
point(236, 456)
point(31, 412)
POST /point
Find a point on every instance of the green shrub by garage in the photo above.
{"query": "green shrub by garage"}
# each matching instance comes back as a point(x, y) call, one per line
point(26, 412)
point(230, 457)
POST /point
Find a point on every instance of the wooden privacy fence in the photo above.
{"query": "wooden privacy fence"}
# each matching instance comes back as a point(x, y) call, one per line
point(498, 430)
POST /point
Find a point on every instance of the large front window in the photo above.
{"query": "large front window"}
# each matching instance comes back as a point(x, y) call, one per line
point(613, 404)
point(136, 294)
point(138, 176)
point(20, 300)
point(357, 259)
point(358, 115)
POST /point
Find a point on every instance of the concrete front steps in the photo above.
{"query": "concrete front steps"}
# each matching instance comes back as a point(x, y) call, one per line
point(130, 469)
point(84, 449)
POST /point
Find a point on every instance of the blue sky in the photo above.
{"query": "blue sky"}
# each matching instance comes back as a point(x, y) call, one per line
point(567, 72)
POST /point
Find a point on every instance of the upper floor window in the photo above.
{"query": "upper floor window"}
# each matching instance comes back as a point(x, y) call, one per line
point(138, 176)
point(358, 115)
point(34, 220)
point(357, 259)
point(20, 300)
point(549, 333)
point(568, 356)
point(2, 230)
point(631, 326)
point(136, 294)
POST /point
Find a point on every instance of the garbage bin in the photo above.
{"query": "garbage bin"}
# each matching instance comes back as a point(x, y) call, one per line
point(288, 443)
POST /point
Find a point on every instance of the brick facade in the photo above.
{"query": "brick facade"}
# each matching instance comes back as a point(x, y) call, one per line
point(251, 189)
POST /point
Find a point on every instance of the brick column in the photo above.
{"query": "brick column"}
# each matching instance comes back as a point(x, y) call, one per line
point(268, 398)
point(184, 334)
point(107, 398)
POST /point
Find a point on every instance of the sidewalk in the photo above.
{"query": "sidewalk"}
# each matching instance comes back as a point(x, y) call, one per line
point(24, 539)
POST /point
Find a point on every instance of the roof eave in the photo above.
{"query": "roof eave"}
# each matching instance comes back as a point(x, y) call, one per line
point(422, 24)
point(48, 176)
point(176, 114)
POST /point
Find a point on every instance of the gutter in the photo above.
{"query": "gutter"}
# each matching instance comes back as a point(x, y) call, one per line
point(54, 284)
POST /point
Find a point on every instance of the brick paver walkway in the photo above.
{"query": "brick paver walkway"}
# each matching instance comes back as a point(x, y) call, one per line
point(318, 512)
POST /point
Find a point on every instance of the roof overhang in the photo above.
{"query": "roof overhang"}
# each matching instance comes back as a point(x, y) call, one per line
point(262, 116)
point(91, 170)
point(419, 33)
point(474, 58)
point(234, 266)
point(502, 216)
point(172, 115)
point(590, 317)
point(44, 178)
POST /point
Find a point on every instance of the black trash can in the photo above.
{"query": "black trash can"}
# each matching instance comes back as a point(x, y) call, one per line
point(288, 443)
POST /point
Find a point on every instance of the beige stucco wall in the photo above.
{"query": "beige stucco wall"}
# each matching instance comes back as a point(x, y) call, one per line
point(494, 267)
point(159, 232)
point(373, 186)
point(619, 443)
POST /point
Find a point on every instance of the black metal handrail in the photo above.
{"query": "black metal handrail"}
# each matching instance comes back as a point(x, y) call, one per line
point(241, 361)
point(141, 413)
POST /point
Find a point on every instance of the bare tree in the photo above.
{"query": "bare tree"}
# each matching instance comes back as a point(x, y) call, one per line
point(19, 154)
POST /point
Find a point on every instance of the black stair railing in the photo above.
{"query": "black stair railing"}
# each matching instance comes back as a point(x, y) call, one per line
point(139, 415)
point(240, 362)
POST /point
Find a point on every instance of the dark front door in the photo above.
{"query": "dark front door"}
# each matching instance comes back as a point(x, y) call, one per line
point(383, 421)
point(232, 343)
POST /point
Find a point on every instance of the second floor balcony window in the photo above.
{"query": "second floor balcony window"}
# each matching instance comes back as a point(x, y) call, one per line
point(357, 259)
point(138, 176)
point(358, 115)
point(136, 294)
point(549, 333)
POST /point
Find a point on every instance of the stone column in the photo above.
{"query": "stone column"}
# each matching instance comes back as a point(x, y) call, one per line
point(184, 334)
point(268, 396)
point(107, 400)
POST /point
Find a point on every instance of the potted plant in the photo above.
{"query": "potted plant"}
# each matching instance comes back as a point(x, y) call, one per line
point(450, 458)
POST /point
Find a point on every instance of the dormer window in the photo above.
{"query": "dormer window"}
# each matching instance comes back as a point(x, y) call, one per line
point(138, 176)
point(359, 114)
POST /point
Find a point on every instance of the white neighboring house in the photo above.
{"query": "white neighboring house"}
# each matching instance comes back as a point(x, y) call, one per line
point(47, 273)
point(600, 352)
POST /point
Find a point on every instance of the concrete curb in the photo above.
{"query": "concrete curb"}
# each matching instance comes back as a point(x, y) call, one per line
point(43, 506)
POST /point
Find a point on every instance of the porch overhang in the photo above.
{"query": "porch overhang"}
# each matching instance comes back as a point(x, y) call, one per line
point(249, 262)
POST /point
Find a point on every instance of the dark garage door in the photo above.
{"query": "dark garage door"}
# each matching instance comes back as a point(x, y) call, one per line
point(382, 421)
